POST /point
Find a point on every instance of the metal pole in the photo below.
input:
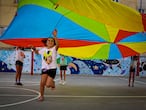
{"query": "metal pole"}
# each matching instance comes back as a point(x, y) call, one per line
point(32, 59)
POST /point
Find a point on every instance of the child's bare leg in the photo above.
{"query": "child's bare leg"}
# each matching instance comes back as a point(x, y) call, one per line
point(42, 86)
point(129, 78)
point(20, 72)
point(61, 75)
point(50, 82)
point(133, 77)
point(64, 75)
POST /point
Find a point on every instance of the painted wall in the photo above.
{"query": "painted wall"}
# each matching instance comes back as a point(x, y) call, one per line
point(109, 68)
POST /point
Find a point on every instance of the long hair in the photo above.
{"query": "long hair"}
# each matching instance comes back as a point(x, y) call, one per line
point(19, 47)
point(44, 41)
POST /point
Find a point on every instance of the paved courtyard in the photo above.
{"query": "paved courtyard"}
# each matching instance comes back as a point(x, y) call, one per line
point(81, 92)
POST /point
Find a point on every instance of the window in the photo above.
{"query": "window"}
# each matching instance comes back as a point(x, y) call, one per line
point(116, 0)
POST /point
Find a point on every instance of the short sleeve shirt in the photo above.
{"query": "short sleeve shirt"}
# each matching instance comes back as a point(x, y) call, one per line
point(63, 60)
point(48, 57)
point(20, 55)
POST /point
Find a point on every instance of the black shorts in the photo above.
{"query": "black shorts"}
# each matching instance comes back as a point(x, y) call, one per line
point(50, 72)
point(64, 67)
point(132, 69)
point(19, 63)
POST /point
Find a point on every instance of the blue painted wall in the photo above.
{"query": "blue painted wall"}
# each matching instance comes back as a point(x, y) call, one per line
point(109, 68)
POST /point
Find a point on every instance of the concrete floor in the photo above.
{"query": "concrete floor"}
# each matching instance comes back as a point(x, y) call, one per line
point(81, 92)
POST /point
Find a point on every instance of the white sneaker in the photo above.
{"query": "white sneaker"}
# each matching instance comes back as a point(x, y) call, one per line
point(61, 81)
point(64, 82)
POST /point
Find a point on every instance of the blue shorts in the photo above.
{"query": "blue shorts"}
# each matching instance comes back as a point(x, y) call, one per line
point(50, 72)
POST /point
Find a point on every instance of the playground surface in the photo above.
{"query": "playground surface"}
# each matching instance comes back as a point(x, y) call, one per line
point(81, 92)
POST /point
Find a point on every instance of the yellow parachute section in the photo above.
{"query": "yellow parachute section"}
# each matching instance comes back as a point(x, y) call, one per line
point(107, 12)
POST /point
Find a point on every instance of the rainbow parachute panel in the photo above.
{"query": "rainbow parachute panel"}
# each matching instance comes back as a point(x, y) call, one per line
point(87, 29)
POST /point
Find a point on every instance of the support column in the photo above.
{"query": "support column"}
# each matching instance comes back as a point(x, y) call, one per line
point(32, 59)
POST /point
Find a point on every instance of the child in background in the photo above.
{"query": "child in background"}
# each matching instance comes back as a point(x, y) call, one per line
point(63, 62)
point(19, 64)
point(133, 66)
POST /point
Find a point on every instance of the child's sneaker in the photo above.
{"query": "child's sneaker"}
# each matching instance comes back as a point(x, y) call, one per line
point(61, 81)
point(19, 84)
point(64, 82)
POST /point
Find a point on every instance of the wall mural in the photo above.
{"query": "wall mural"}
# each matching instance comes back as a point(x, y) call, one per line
point(142, 66)
point(101, 67)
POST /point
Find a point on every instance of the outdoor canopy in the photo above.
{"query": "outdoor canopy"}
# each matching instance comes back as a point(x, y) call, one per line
point(87, 29)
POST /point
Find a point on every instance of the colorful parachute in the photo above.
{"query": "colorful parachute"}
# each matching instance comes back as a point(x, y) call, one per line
point(87, 29)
